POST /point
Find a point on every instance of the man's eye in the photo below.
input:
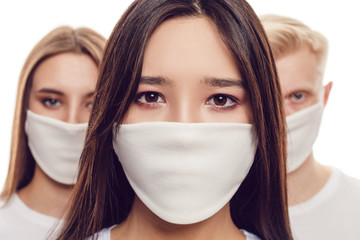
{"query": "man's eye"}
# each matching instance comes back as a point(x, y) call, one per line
point(297, 96)
point(150, 98)
point(221, 101)
point(50, 102)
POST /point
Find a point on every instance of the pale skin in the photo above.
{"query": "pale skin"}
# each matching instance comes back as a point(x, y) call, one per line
point(190, 76)
point(300, 74)
point(63, 87)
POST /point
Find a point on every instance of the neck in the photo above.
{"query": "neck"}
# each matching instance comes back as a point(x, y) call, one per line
point(143, 224)
point(46, 196)
point(306, 181)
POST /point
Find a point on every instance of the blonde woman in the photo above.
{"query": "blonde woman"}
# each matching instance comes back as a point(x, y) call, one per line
point(54, 101)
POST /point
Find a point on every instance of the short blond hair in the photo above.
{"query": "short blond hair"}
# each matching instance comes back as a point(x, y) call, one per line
point(287, 35)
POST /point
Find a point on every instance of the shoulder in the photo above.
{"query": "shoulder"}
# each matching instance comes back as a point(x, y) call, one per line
point(349, 190)
point(348, 184)
point(351, 180)
point(331, 214)
point(340, 194)
point(15, 215)
point(340, 190)
point(250, 236)
point(8, 206)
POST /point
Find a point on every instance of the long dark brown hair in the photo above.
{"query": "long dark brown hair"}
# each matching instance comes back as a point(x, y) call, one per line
point(103, 196)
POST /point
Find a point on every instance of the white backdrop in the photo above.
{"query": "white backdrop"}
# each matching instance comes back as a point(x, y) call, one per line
point(24, 23)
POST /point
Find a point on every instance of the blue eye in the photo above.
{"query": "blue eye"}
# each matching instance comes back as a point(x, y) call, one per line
point(89, 105)
point(50, 102)
point(297, 96)
point(221, 101)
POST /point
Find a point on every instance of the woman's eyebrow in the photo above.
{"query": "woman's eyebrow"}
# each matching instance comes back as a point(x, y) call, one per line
point(223, 82)
point(213, 82)
point(89, 95)
point(158, 80)
point(49, 90)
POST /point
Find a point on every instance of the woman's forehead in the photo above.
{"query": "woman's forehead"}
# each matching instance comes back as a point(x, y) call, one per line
point(188, 47)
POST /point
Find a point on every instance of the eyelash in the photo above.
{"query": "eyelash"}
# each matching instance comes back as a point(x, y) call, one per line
point(234, 101)
point(47, 102)
point(149, 104)
point(292, 96)
point(89, 105)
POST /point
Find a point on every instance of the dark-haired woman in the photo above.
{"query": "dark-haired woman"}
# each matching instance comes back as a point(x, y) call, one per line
point(186, 139)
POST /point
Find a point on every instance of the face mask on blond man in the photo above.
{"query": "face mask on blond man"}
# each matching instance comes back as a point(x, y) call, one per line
point(323, 201)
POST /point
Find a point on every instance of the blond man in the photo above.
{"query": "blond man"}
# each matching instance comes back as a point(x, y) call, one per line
point(324, 203)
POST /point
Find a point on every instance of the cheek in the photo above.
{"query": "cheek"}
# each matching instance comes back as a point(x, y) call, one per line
point(289, 109)
point(136, 115)
point(293, 107)
point(310, 100)
point(84, 116)
point(243, 114)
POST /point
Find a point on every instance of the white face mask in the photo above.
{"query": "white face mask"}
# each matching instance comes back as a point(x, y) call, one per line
point(55, 145)
point(185, 172)
point(302, 131)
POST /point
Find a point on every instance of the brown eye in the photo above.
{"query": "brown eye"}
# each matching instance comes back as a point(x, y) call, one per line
point(220, 100)
point(151, 97)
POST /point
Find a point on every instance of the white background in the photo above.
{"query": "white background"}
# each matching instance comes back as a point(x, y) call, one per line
point(24, 23)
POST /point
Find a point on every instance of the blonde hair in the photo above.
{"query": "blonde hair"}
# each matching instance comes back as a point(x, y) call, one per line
point(60, 40)
point(287, 35)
